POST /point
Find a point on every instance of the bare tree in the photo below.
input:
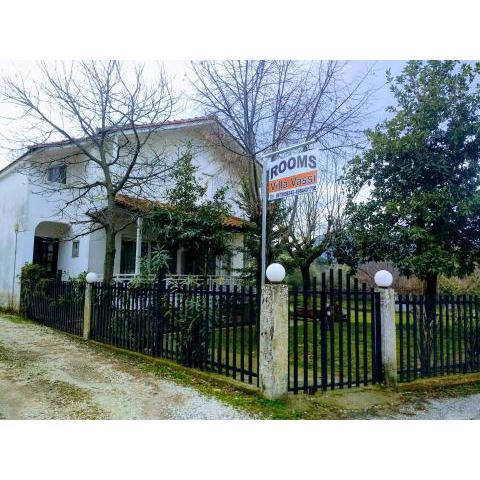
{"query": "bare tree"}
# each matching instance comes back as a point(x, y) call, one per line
point(254, 100)
point(314, 218)
point(268, 104)
point(104, 115)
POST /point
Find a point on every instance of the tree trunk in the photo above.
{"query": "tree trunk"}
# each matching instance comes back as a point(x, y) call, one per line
point(305, 269)
point(307, 284)
point(110, 251)
point(430, 292)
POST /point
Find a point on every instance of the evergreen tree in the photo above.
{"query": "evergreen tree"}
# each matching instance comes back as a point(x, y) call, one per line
point(414, 194)
point(189, 219)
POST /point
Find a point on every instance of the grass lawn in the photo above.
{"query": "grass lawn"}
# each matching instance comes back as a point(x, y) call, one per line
point(356, 358)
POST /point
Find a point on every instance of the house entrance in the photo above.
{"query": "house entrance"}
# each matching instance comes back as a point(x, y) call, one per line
point(45, 253)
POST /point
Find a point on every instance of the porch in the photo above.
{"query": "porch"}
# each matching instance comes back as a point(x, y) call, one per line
point(65, 256)
point(135, 249)
point(49, 247)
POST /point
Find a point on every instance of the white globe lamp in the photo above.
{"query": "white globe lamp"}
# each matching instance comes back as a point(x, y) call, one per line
point(383, 279)
point(275, 273)
point(91, 277)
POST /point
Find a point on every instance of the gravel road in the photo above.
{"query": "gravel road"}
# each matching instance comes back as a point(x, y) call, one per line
point(46, 375)
point(457, 408)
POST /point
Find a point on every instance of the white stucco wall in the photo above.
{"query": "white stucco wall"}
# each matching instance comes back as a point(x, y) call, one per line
point(96, 252)
point(74, 266)
point(45, 219)
point(36, 214)
point(13, 210)
point(22, 202)
point(215, 165)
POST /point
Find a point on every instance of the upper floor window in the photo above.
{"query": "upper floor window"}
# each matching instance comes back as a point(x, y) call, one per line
point(58, 174)
point(75, 248)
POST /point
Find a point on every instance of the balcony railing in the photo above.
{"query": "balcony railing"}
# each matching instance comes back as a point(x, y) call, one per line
point(184, 280)
point(206, 280)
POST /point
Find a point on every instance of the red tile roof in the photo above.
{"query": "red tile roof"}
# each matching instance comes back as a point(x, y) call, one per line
point(143, 204)
point(180, 121)
point(183, 121)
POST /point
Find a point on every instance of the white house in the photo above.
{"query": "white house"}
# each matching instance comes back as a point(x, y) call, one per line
point(33, 230)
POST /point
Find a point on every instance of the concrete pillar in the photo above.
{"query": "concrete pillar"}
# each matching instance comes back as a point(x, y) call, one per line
point(138, 247)
point(87, 311)
point(273, 359)
point(388, 336)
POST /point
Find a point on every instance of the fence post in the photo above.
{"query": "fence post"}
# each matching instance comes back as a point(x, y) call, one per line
point(273, 355)
point(388, 328)
point(87, 311)
point(87, 308)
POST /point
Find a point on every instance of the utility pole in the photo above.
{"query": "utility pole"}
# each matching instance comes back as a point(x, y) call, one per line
point(16, 229)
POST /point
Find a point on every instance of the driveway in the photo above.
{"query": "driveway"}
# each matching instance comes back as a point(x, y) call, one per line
point(456, 408)
point(46, 375)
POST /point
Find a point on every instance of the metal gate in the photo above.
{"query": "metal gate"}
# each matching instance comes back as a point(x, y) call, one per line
point(334, 334)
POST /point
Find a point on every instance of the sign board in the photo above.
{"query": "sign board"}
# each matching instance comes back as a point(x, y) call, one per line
point(293, 175)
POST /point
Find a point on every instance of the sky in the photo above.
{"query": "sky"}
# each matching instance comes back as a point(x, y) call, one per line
point(177, 71)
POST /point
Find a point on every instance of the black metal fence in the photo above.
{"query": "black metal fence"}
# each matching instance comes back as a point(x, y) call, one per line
point(56, 304)
point(210, 329)
point(438, 340)
point(334, 335)
point(334, 328)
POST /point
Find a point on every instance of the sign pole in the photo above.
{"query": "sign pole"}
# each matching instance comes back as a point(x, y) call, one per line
point(264, 162)
point(264, 218)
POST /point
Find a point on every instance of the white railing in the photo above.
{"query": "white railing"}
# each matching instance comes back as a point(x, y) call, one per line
point(123, 277)
point(196, 280)
point(183, 280)
point(120, 277)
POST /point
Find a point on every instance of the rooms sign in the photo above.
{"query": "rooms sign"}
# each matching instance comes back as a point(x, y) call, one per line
point(293, 175)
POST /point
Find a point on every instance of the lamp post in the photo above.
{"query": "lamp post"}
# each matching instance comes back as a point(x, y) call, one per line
point(275, 273)
point(384, 280)
point(91, 277)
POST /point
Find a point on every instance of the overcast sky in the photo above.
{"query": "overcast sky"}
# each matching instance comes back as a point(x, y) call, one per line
point(177, 71)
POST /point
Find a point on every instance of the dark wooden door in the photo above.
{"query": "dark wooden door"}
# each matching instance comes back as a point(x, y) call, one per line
point(45, 253)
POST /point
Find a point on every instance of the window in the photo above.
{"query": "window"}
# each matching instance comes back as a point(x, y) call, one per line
point(75, 248)
point(128, 253)
point(57, 174)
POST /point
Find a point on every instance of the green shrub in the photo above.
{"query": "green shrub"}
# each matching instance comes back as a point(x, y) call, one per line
point(33, 277)
point(80, 279)
point(193, 331)
point(469, 285)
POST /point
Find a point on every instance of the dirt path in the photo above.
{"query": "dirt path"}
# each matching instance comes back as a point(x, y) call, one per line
point(46, 375)
point(456, 408)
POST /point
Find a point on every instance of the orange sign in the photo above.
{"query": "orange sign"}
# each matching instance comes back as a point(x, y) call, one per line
point(294, 181)
point(293, 176)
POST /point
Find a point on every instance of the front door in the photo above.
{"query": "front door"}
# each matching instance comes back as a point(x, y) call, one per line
point(45, 253)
